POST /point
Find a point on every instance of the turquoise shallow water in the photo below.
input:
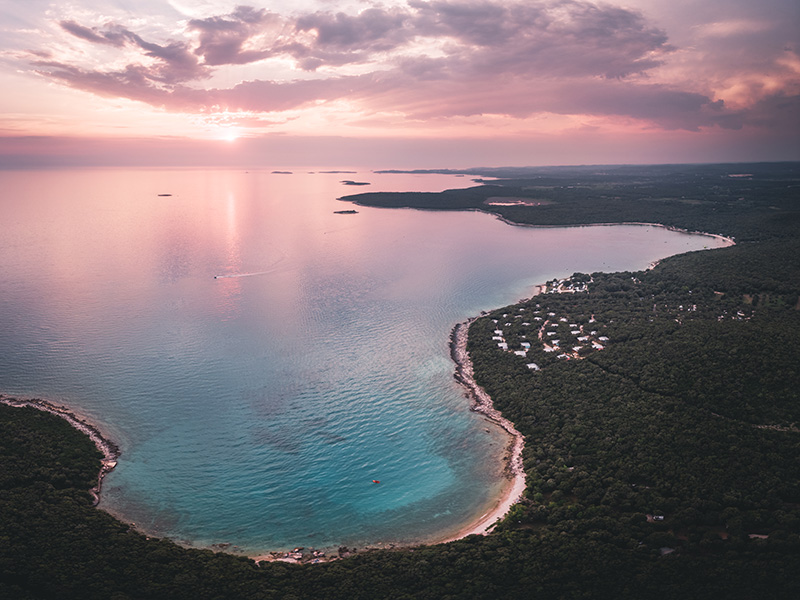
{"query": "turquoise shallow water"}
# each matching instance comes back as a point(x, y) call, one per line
point(260, 359)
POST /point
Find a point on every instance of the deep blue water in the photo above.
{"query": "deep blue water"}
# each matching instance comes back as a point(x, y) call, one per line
point(256, 408)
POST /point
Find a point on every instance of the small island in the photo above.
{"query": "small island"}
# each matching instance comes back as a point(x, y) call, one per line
point(345, 212)
point(351, 182)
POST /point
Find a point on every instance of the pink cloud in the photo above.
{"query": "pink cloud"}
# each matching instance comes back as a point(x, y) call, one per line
point(516, 59)
point(175, 61)
point(223, 38)
point(92, 34)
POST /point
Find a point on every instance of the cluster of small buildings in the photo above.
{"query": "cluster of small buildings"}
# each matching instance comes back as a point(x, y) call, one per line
point(575, 340)
point(582, 337)
point(503, 345)
point(739, 316)
point(566, 286)
point(548, 327)
point(690, 308)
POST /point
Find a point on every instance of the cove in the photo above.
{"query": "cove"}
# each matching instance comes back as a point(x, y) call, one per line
point(261, 359)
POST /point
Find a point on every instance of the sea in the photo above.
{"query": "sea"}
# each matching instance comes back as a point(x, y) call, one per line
point(261, 359)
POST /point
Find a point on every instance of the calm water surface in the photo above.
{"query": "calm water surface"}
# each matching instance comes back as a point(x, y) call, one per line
point(260, 359)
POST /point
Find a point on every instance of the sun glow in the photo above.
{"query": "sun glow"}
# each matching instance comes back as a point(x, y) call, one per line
point(229, 134)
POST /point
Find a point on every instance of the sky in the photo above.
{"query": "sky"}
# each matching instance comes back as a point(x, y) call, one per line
point(398, 83)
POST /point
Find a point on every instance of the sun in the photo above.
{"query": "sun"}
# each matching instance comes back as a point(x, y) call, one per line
point(230, 135)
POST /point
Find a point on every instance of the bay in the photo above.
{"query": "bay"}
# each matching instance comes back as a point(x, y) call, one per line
point(261, 359)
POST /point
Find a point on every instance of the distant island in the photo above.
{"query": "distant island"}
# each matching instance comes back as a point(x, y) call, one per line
point(345, 212)
point(660, 413)
point(349, 182)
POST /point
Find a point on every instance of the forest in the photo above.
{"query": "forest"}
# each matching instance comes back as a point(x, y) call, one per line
point(662, 429)
point(745, 201)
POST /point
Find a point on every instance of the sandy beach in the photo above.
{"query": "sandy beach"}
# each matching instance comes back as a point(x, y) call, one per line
point(482, 403)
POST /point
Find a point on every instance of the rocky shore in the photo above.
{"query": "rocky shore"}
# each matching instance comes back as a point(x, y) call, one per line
point(482, 403)
point(109, 449)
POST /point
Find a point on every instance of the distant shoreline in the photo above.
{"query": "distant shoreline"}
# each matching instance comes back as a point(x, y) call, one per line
point(729, 241)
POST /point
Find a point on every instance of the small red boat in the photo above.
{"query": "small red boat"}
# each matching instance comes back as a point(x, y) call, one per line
point(375, 481)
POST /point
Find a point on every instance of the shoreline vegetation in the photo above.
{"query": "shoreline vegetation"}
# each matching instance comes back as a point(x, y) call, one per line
point(109, 449)
point(664, 463)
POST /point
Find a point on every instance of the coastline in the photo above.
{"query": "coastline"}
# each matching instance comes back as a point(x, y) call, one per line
point(109, 449)
point(512, 490)
point(513, 470)
point(482, 403)
point(728, 241)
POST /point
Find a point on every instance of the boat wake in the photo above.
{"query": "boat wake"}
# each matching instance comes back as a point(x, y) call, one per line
point(230, 275)
point(271, 268)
